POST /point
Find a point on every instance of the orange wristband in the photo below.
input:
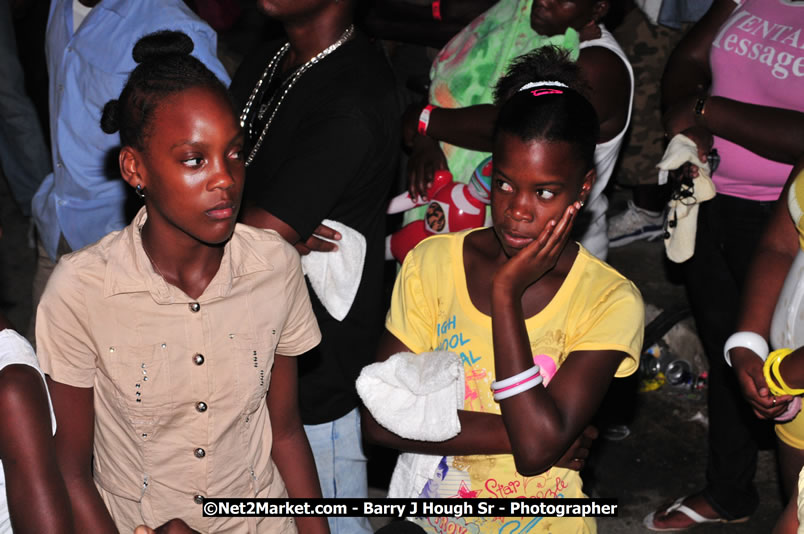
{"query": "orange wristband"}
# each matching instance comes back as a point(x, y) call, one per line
point(424, 119)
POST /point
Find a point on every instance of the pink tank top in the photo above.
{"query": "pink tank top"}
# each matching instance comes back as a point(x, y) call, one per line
point(758, 57)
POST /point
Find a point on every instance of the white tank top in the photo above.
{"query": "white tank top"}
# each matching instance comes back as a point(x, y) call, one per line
point(594, 236)
point(15, 349)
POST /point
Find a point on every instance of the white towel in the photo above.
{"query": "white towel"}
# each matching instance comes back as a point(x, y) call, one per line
point(411, 474)
point(415, 397)
point(684, 212)
point(335, 276)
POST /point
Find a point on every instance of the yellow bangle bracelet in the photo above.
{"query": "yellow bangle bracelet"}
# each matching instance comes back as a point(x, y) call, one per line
point(767, 370)
point(773, 376)
point(776, 373)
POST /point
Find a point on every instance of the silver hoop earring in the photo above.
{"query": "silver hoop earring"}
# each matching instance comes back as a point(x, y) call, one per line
point(139, 191)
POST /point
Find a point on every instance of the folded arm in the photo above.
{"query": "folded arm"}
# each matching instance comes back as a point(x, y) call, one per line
point(481, 433)
point(291, 450)
point(543, 422)
point(75, 413)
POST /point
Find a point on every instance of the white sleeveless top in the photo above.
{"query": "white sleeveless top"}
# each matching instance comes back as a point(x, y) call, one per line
point(15, 349)
point(594, 237)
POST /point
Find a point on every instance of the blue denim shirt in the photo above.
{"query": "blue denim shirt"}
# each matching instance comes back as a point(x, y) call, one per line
point(674, 13)
point(83, 198)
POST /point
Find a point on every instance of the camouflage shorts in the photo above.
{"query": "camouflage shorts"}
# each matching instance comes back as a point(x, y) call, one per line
point(648, 47)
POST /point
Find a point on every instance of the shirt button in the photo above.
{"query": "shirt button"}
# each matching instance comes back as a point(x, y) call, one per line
point(198, 499)
point(201, 406)
point(200, 453)
point(194, 307)
point(198, 359)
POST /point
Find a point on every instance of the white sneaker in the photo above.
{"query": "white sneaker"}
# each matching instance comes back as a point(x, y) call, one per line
point(634, 224)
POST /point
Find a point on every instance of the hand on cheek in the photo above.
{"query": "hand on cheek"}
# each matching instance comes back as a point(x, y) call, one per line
point(539, 257)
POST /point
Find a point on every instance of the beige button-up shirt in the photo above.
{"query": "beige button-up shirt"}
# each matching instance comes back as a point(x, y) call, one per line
point(180, 384)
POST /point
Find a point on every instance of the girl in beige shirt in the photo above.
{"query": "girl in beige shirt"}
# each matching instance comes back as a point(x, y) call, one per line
point(161, 340)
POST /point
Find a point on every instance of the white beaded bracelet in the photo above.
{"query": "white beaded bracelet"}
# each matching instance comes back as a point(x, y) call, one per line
point(746, 340)
point(519, 388)
point(519, 377)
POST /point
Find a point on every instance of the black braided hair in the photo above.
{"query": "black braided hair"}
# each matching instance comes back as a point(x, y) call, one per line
point(565, 115)
point(165, 67)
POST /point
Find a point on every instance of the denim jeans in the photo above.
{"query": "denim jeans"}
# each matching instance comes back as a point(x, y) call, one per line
point(24, 156)
point(338, 452)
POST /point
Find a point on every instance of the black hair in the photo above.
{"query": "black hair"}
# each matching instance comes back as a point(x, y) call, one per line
point(551, 112)
point(165, 67)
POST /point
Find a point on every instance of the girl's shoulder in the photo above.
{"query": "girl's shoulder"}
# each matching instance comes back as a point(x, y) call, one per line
point(269, 238)
point(443, 243)
point(265, 244)
point(439, 251)
point(436, 242)
point(594, 278)
point(92, 260)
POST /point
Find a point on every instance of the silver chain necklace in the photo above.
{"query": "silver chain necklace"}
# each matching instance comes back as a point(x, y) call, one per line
point(269, 73)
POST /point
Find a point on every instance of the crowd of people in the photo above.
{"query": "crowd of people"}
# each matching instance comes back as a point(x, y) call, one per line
point(211, 276)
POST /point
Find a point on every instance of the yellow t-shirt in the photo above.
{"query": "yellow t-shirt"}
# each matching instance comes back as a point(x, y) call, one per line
point(792, 432)
point(795, 203)
point(595, 308)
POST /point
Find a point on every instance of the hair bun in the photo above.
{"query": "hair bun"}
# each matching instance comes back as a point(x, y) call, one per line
point(162, 43)
point(110, 119)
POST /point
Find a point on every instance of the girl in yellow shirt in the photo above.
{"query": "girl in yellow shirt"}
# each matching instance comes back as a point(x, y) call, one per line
point(541, 325)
